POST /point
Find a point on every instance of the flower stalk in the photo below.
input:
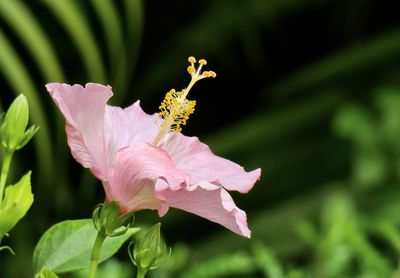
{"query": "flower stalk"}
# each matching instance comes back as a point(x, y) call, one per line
point(108, 222)
point(4, 172)
point(141, 273)
point(95, 256)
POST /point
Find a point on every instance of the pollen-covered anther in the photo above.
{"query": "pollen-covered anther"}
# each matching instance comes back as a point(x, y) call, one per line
point(192, 60)
point(209, 74)
point(203, 62)
point(206, 74)
point(196, 72)
point(191, 69)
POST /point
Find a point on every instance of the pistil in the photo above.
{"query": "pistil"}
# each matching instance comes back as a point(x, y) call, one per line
point(175, 108)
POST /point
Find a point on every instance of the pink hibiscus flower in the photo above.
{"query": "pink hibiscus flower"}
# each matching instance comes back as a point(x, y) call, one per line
point(143, 164)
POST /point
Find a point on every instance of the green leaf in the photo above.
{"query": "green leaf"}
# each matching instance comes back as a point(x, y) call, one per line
point(67, 246)
point(17, 201)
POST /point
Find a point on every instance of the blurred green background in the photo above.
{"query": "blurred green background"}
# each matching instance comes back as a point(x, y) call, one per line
point(307, 90)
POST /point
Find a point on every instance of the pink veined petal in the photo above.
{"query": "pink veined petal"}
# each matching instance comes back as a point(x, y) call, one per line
point(196, 158)
point(208, 201)
point(124, 127)
point(139, 169)
point(83, 109)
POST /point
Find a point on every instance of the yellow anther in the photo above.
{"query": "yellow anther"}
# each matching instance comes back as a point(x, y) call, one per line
point(196, 72)
point(192, 60)
point(206, 74)
point(203, 62)
point(191, 69)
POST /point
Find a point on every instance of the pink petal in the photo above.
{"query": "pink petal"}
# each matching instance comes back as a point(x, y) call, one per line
point(124, 127)
point(196, 158)
point(95, 130)
point(139, 170)
point(83, 109)
point(208, 201)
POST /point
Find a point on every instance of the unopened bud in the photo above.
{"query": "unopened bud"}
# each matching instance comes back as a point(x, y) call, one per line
point(150, 251)
point(106, 218)
point(13, 133)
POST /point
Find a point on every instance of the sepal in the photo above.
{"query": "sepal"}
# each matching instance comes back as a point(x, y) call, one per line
point(106, 218)
point(28, 135)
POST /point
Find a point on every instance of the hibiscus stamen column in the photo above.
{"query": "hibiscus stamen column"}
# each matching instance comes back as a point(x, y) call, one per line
point(175, 108)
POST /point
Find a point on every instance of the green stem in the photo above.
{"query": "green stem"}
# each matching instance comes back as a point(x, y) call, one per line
point(94, 259)
point(4, 172)
point(141, 273)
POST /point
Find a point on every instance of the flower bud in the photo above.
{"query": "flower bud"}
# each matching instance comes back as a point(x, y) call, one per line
point(150, 251)
point(106, 218)
point(13, 133)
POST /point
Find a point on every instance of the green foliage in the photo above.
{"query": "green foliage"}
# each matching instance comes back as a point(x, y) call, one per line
point(343, 241)
point(67, 245)
point(17, 201)
point(246, 263)
point(375, 139)
point(267, 262)
point(222, 266)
